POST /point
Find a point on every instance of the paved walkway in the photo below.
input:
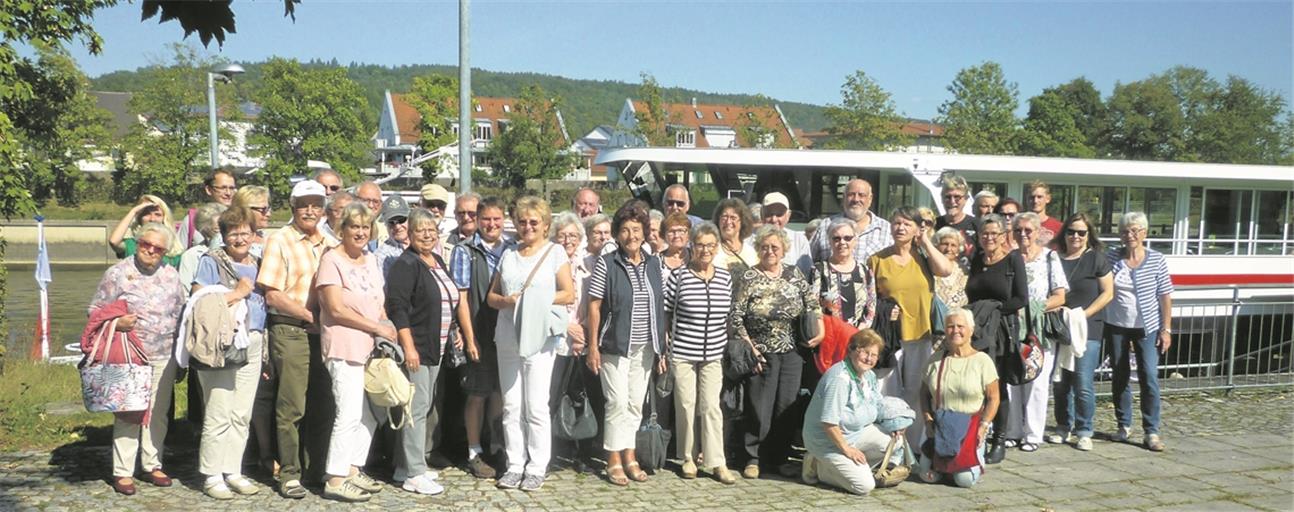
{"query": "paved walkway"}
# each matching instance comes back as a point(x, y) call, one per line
point(1225, 453)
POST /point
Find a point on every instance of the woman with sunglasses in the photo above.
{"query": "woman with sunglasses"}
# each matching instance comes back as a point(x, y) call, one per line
point(847, 290)
point(153, 300)
point(1047, 287)
point(1091, 287)
point(1008, 208)
point(257, 199)
point(997, 274)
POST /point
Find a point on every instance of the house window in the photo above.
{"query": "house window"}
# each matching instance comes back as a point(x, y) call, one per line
point(507, 108)
point(718, 115)
point(483, 132)
point(685, 139)
point(503, 126)
point(699, 115)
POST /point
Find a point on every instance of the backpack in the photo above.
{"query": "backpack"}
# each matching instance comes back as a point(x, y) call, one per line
point(387, 386)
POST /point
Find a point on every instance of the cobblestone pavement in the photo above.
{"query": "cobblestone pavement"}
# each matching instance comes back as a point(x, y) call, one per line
point(1224, 453)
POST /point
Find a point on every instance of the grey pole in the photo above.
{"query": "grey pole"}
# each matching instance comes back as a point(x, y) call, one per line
point(465, 124)
point(211, 116)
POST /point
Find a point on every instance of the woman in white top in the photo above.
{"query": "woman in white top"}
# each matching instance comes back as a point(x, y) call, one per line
point(531, 292)
point(1047, 286)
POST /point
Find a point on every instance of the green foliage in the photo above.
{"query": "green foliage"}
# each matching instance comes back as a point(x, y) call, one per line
point(653, 120)
point(167, 154)
point(1242, 125)
point(866, 117)
point(589, 103)
point(980, 118)
point(1089, 109)
point(435, 97)
point(308, 114)
point(1051, 128)
point(210, 20)
point(1145, 121)
point(532, 146)
point(59, 128)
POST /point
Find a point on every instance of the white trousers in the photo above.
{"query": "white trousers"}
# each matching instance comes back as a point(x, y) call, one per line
point(624, 382)
point(352, 428)
point(527, 425)
point(130, 440)
point(228, 394)
point(906, 380)
point(696, 402)
point(839, 471)
point(1028, 411)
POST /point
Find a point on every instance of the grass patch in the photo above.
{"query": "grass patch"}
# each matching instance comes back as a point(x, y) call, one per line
point(41, 408)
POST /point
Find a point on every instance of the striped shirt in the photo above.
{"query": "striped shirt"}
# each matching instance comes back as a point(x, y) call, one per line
point(290, 262)
point(1150, 280)
point(448, 301)
point(640, 325)
point(699, 331)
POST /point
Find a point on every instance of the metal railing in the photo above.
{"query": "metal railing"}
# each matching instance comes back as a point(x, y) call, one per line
point(1245, 340)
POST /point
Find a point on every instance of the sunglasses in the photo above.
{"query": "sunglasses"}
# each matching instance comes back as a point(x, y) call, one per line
point(148, 248)
point(840, 239)
point(334, 188)
point(396, 220)
point(676, 203)
point(465, 213)
point(1077, 232)
point(263, 210)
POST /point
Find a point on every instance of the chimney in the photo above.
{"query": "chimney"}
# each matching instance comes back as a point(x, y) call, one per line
point(694, 102)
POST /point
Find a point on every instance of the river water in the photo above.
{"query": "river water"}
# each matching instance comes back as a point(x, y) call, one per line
point(69, 293)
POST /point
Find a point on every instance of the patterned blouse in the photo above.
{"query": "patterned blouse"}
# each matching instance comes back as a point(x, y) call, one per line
point(766, 309)
point(952, 289)
point(854, 293)
point(156, 299)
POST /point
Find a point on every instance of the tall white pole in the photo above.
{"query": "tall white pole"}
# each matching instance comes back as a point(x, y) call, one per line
point(211, 116)
point(43, 278)
point(465, 124)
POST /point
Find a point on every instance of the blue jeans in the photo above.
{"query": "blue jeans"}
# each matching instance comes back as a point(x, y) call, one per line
point(1142, 344)
point(1076, 394)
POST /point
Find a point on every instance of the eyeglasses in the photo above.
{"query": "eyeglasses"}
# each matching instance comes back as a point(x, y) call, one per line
point(334, 188)
point(305, 207)
point(676, 203)
point(1009, 215)
point(263, 210)
point(710, 247)
point(954, 197)
point(534, 223)
point(677, 232)
point(372, 203)
point(1131, 231)
point(465, 213)
point(396, 220)
point(770, 248)
point(1077, 232)
point(842, 239)
point(1023, 231)
point(439, 205)
point(990, 234)
point(142, 246)
point(567, 237)
point(426, 232)
point(238, 236)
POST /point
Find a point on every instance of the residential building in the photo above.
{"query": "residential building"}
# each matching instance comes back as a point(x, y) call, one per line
point(399, 129)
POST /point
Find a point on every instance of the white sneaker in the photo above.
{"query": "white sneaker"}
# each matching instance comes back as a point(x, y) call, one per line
point(1085, 444)
point(423, 484)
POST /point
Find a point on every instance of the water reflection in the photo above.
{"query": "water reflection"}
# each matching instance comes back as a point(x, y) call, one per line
point(69, 294)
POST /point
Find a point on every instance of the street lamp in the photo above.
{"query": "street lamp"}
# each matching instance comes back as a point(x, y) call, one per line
point(224, 73)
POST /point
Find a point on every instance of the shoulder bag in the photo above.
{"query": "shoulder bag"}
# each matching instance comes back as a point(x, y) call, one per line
point(955, 445)
point(115, 386)
point(573, 418)
point(652, 440)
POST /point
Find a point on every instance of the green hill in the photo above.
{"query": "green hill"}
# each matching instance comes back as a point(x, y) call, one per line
point(588, 103)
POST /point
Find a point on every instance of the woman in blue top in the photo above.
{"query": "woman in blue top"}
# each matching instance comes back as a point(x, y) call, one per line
point(228, 392)
point(1140, 317)
point(840, 431)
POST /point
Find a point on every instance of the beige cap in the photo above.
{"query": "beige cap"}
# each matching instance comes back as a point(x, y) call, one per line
point(434, 192)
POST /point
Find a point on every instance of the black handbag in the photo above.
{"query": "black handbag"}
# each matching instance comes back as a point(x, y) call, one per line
point(652, 440)
point(573, 418)
point(739, 359)
point(1055, 328)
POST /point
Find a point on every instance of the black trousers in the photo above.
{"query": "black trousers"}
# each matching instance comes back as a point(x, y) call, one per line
point(769, 399)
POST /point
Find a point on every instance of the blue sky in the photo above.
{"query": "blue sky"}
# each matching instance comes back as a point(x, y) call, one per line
point(786, 49)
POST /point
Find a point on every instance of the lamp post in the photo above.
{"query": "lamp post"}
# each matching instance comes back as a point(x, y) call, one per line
point(224, 73)
point(465, 123)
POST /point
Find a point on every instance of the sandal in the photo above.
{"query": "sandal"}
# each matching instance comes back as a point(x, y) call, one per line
point(1028, 447)
point(620, 480)
point(635, 472)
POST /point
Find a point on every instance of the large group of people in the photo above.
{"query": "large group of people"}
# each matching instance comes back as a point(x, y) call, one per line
point(946, 332)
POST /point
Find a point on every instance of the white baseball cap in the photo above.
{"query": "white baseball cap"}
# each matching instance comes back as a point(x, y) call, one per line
point(772, 198)
point(308, 188)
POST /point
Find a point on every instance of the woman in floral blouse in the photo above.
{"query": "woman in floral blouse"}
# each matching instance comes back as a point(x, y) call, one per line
point(769, 300)
point(154, 301)
point(845, 286)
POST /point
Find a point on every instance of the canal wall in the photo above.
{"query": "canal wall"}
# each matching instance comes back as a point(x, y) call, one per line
point(70, 242)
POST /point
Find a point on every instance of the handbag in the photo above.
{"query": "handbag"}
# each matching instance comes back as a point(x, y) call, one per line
point(573, 419)
point(1054, 327)
point(889, 474)
point(739, 360)
point(386, 386)
point(955, 445)
point(938, 313)
point(455, 351)
point(115, 386)
point(652, 440)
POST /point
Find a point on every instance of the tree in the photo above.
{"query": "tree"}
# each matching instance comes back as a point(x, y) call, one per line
point(980, 118)
point(61, 125)
point(1051, 128)
point(653, 119)
point(1145, 121)
point(534, 145)
point(1089, 109)
point(209, 19)
point(435, 97)
point(308, 114)
point(169, 152)
point(866, 117)
point(1242, 125)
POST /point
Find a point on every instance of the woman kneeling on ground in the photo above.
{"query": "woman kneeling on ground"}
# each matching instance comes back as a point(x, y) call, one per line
point(959, 385)
point(840, 431)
